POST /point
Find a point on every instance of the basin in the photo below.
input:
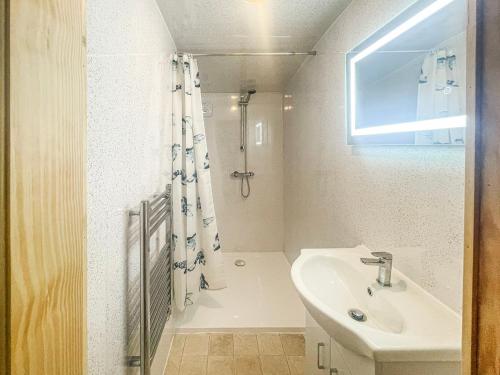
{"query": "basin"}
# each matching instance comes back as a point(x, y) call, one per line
point(394, 324)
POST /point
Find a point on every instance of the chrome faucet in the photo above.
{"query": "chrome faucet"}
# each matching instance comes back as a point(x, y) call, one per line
point(384, 262)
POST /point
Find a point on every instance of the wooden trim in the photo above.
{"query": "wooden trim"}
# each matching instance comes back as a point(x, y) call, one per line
point(47, 187)
point(488, 288)
point(472, 180)
point(4, 356)
point(481, 317)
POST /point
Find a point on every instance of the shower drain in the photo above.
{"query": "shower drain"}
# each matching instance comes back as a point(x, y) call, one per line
point(240, 263)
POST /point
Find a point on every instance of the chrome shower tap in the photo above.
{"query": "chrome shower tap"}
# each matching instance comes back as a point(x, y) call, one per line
point(245, 175)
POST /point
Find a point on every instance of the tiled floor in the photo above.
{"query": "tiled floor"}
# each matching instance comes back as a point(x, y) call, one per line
point(237, 354)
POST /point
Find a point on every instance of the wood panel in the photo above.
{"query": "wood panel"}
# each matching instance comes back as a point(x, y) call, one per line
point(3, 192)
point(472, 178)
point(47, 187)
point(488, 347)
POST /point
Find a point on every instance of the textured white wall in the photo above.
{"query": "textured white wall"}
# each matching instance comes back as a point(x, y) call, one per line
point(407, 200)
point(129, 106)
point(255, 223)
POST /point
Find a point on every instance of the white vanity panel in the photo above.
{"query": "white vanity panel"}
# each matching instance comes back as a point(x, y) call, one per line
point(349, 363)
point(325, 356)
point(418, 368)
point(317, 348)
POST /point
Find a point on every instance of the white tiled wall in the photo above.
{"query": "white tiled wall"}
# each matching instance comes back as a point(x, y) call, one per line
point(128, 157)
point(256, 223)
point(407, 200)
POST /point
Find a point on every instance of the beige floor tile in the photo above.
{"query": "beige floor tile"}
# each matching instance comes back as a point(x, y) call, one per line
point(296, 364)
point(221, 344)
point(220, 365)
point(269, 344)
point(245, 344)
point(175, 355)
point(193, 365)
point(174, 360)
point(196, 344)
point(172, 368)
point(274, 365)
point(178, 343)
point(247, 365)
point(293, 344)
point(212, 354)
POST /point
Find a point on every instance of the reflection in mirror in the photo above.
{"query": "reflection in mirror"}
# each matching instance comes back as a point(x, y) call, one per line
point(406, 83)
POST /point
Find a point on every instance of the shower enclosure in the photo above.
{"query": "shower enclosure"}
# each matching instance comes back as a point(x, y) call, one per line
point(246, 174)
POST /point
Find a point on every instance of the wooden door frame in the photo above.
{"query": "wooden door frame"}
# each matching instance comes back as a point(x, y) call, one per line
point(481, 305)
point(4, 171)
point(43, 50)
point(472, 177)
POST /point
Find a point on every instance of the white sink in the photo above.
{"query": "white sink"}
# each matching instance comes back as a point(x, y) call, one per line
point(404, 322)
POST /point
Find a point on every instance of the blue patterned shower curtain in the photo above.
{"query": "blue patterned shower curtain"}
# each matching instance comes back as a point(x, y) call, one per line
point(198, 262)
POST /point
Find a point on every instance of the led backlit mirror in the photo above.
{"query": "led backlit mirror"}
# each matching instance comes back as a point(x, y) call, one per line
point(406, 83)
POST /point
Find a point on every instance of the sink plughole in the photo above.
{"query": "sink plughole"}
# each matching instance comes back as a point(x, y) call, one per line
point(403, 322)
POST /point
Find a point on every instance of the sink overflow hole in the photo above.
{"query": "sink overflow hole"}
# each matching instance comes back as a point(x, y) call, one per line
point(370, 291)
point(357, 315)
point(240, 263)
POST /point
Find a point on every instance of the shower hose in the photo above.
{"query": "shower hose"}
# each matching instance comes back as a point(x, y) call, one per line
point(243, 194)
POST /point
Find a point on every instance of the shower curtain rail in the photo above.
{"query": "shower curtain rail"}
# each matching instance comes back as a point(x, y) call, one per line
point(241, 54)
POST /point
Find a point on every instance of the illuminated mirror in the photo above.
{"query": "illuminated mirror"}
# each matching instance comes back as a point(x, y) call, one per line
point(406, 83)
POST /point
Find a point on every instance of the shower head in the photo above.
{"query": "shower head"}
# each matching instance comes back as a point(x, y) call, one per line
point(245, 98)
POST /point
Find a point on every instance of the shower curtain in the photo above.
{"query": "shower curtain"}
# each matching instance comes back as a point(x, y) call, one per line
point(197, 256)
point(441, 93)
point(439, 87)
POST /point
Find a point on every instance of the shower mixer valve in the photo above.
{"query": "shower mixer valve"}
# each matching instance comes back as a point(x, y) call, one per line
point(237, 174)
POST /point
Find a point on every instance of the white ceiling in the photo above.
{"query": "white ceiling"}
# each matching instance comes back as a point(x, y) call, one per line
point(252, 26)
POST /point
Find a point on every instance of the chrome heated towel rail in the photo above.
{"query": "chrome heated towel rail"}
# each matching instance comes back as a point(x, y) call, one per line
point(155, 278)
